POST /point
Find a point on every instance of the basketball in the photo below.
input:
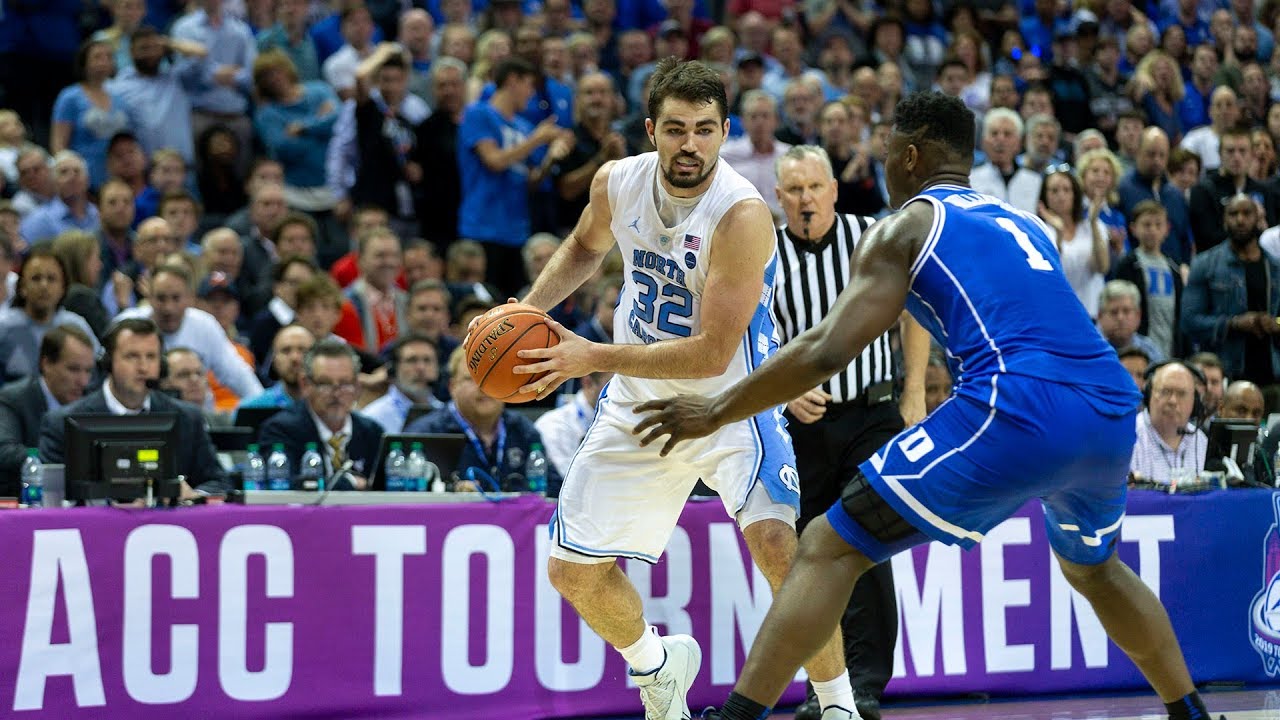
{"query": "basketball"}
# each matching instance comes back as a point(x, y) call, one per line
point(493, 344)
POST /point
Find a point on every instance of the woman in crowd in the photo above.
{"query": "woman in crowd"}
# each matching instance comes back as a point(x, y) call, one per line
point(79, 253)
point(1264, 155)
point(36, 309)
point(1158, 88)
point(1099, 174)
point(1082, 241)
point(85, 115)
point(492, 48)
point(969, 48)
point(295, 122)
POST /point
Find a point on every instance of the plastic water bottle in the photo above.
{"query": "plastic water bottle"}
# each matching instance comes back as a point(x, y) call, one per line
point(32, 481)
point(397, 469)
point(311, 469)
point(255, 471)
point(417, 469)
point(278, 469)
point(535, 470)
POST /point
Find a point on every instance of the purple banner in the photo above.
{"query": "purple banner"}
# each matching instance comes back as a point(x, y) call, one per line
point(445, 611)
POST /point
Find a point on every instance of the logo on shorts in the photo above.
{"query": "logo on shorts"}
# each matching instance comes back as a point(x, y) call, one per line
point(790, 478)
point(1264, 611)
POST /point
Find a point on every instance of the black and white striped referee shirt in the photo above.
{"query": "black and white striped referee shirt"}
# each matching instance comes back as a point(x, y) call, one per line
point(809, 277)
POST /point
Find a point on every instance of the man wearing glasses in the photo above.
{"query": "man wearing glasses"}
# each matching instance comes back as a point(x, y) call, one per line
point(325, 417)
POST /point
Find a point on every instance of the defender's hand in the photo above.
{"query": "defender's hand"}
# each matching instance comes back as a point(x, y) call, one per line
point(683, 417)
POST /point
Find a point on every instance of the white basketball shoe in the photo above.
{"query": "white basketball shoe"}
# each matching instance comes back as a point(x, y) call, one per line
point(664, 691)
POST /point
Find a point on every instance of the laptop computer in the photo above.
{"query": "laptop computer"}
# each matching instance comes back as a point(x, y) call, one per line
point(443, 449)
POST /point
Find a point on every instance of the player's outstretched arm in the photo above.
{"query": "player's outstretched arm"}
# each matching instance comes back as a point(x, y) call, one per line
point(870, 304)
point(581, 252)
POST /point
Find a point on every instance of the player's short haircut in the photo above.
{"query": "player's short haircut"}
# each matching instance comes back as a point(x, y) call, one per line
point(931, 117)
point(1146, 207)
point(800, 152)
point(1119, 289)
point(691, 82)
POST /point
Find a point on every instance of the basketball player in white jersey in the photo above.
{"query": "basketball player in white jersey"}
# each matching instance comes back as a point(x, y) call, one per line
point(694, 317)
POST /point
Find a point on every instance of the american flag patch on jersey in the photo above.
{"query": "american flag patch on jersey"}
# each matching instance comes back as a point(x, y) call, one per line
point(693, 242)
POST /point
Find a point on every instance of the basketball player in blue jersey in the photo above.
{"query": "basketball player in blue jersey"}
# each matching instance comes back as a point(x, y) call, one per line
point(1042, 408)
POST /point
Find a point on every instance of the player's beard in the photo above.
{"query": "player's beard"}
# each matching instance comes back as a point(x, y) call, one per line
point(684, 183)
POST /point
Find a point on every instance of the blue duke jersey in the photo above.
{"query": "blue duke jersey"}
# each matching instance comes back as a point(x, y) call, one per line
point(665, 271)
point(989, 287)
point(1042, 406)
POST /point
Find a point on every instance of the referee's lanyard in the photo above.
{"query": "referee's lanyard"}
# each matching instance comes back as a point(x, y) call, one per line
point(500, 442)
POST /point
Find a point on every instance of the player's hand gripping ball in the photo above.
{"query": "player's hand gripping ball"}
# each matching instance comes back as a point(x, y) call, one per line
point(493, 343)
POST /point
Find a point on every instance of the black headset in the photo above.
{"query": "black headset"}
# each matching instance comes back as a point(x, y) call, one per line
point(1197, 408)
point(144, 326)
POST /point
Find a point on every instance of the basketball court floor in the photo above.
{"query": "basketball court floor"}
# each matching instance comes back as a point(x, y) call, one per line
point(1263, 704)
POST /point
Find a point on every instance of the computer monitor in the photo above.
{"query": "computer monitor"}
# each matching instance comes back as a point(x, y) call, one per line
point(253, 417)
point(1235, 439)
point(117, 456)
point(443, 449)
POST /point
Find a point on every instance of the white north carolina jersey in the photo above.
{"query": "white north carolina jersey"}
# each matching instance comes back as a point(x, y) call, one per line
point(666, 274)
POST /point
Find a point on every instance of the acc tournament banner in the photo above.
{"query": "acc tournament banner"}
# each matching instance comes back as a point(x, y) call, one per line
point(445, 611)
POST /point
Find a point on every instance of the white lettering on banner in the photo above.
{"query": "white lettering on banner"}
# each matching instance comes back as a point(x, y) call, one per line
point(937, 605)
point(734, 601)
point(388, 544)
point(553, 672)
point(999, 593)
point(1063, 603)
point(238, 545)
point(57, 553)
point(671, 610)
point(1148, 531)
point(143, 544)
point(456, 586)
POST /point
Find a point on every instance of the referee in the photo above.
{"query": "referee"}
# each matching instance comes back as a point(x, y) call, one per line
point(837, 426)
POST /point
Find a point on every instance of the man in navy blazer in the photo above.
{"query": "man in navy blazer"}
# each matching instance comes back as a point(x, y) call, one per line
point(132, 351)
point(66, 366)
point(325, 417)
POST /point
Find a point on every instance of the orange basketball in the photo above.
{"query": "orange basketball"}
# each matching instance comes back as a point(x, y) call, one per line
point(493, 343)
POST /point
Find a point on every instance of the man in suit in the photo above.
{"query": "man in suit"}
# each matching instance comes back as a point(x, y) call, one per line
point(66, 365)
point(325, 417)
point(131, 362)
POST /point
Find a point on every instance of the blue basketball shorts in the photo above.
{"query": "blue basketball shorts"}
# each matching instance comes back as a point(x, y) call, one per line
point(983, 454)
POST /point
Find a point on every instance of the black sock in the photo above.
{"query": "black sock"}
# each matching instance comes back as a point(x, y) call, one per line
point(738, 707)
point(1190, 707)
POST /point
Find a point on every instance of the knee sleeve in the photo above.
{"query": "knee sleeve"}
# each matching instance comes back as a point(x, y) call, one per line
point(864, 520)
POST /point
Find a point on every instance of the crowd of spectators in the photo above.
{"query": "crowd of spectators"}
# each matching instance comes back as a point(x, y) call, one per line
point(261, 177)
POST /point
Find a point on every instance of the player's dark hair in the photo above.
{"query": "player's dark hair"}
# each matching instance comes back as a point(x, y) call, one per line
point(692, 81)
point(931, 117)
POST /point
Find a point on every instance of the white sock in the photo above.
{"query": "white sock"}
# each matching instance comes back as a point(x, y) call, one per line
point(836, 691)
point(647, 654)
